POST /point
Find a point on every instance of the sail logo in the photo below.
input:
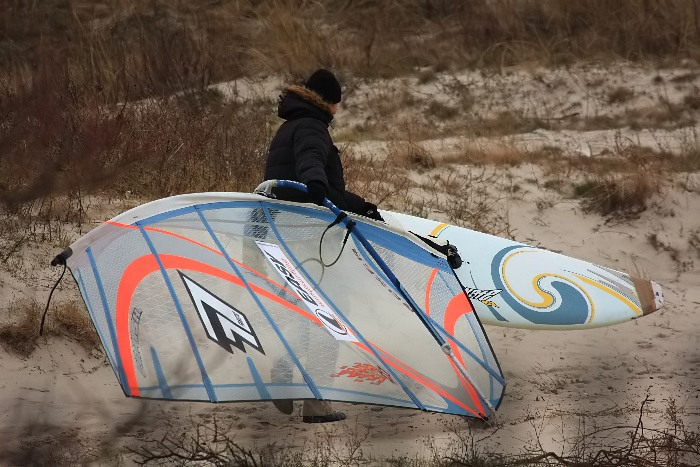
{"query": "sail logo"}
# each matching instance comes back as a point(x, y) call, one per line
point(364, 372)
point(484, 296)
point(223, 323)
point(326, 316)
point(331, 322)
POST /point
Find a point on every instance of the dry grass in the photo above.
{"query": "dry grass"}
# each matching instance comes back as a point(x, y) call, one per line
point(67, 319)
point(111, 98)
point(673, 444)
point(618, 193)
point(70, 319)
point(410, 155)
point(132, 49)
point(496, 154)
point(379, 180)
point(22, 333)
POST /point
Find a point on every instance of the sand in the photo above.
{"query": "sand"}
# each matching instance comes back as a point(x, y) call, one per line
point(63, 402)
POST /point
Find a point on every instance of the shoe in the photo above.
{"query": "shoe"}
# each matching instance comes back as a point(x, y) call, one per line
point(286, 406)
point(331, 417)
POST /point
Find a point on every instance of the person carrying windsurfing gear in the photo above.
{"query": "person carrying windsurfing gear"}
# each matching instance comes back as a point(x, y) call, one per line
point(302, 150)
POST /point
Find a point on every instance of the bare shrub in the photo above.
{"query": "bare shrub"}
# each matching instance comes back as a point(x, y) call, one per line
point(377, 180)
point(620, 95)
point(66, 319)
point(183, 148)
point(502, 154)
point(505, 123)
point(214, 443)
point(21, 334)
point(59, 145)
point(469, 197)
point(70, 319)
point(200, 443)
point(618, 193)
point(409, 154)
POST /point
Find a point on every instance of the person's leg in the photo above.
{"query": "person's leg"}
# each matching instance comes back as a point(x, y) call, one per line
point(315, 411)
point(257, 229)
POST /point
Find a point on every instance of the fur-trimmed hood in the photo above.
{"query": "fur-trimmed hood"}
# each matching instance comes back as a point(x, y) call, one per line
point(297, 101)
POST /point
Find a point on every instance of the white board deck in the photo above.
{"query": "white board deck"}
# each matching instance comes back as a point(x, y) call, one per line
point(516, 285)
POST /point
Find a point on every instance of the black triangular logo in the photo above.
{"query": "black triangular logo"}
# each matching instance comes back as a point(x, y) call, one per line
point(223, 323)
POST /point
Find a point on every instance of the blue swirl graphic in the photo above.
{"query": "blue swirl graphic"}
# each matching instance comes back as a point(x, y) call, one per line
point(573, 308)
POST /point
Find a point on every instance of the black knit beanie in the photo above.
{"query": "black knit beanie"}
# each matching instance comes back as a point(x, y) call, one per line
point(324, 83)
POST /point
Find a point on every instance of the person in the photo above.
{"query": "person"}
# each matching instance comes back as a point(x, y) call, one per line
point(302, 150)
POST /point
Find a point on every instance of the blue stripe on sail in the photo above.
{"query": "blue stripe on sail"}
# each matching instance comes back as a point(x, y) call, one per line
point(93, 314)
point(395, 281)
point(164, 388)
point(110, 325)
point(478, 360)
point(477, 334)
point(181, 313)
point(259, 384)
point(300, 267)
point(380, 236)
point(284, 341)
point(481, 362)
point(393, 401)
point(190, 209)
point(165, 216)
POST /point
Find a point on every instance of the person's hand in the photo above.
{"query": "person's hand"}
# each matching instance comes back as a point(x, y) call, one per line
point(316, 191)
point(370, 210)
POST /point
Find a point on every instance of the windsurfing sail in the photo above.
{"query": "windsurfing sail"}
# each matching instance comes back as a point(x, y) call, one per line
point(237, 297)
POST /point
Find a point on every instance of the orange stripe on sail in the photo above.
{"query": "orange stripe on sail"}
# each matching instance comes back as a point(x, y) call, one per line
point(458, 307)
point(145, 265)
point(428, 289)
point(415, 375)
point(213, 250)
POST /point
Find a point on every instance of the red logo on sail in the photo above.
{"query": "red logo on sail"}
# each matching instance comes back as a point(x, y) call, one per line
point(364, 372)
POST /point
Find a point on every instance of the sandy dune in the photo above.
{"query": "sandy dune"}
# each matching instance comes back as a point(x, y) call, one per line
point(64, 403)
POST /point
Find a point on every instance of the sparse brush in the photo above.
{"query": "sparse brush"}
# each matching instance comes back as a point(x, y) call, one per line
point(378, 180)
point(408, 154)
point(21, 334)
point(468, 199)
point(213, 442)
point(505, 123)
point(70, 319)
point(620, 95)
point(625, 194)
point(66, 319)
point(498, 154)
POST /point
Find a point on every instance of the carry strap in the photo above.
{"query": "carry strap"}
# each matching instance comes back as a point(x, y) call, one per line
point(350, 226)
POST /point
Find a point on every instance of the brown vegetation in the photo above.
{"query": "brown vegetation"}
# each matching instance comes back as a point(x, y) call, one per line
point(20, 333)
point(675, 444)
point(112, 98)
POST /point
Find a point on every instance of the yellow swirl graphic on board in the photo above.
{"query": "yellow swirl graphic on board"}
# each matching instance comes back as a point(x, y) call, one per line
point(547, 299)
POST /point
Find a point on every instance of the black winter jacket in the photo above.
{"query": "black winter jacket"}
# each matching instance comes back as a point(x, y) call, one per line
point(302, 150)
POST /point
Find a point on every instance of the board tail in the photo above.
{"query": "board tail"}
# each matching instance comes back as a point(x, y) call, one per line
point(651, 295)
